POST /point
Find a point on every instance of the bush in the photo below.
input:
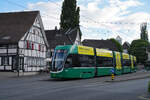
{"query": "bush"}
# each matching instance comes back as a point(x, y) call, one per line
point(138, 49)
point(147, 65)
point(149, 87)
point(118, 45)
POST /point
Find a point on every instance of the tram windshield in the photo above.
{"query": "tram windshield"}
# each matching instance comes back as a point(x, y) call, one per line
point(58, 60)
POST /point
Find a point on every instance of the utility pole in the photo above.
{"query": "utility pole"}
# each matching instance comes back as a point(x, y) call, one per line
point(17, 60)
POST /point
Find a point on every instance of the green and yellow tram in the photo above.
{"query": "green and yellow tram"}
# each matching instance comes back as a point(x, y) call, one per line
point(76, 61)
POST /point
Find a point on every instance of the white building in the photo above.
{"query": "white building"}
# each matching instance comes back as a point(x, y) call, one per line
point(119, 39)
point(126, 46)
point(23, 43)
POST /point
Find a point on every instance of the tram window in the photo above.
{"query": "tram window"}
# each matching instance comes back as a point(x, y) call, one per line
point(72, 61)
point(75, 61)
point(134, 62)
point(68, 62)
point(79, 61)
point(86, 61)
point(104, 62)
point(126, 62)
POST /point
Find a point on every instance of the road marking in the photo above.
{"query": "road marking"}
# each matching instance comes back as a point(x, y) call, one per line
point(143, 98)
point(96, 84)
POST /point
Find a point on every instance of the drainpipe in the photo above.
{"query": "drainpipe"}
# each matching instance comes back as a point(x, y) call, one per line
point(17, 60)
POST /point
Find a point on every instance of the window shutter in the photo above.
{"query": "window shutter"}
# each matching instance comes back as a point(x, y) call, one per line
point(32, 46)
point(27, 44)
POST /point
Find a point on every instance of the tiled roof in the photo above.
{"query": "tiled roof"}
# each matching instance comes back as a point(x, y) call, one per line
point(105, 44)
point(126, 45)
point(58, 37)
point(14, 25)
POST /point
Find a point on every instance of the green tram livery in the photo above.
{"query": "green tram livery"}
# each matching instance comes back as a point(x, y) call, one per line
point(76, 61)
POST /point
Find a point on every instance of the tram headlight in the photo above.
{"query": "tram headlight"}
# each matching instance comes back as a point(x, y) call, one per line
point(66, 70)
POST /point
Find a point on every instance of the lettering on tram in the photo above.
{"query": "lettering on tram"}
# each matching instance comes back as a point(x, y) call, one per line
point(85, 50)
point(104, 58)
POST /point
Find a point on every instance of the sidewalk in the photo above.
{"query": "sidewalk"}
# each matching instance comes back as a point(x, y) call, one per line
point(140, 74)
point(131, 76)
point(4, 75)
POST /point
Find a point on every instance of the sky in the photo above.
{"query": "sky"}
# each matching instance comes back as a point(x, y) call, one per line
point(99, 19)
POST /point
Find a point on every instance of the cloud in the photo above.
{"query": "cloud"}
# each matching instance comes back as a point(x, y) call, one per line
point(50, 12)
point(123, 5)
point(116, 17)
point(99, 18)
point(93, 6)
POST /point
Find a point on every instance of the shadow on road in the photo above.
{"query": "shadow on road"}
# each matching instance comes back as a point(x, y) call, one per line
point(62, 80)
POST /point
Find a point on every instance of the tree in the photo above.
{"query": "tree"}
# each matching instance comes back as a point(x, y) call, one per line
point(69, 15)
point(119, 46)
point(144, 32)
point(138, 49)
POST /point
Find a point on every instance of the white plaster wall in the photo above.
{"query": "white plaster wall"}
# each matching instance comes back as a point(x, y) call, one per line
point(3, 50)
point(12, 50)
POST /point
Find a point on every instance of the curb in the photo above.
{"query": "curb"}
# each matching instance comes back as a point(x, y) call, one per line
point(136, 78)
point(5, 75)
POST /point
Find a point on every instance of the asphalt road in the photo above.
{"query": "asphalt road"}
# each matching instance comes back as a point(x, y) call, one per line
point(44, 88)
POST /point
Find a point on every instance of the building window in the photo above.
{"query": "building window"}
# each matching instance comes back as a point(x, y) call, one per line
point(39, 47)
point(0, 61)
point(34, 31)
point(3, 46)
point(104, 61)
point(10, 60)
point(37, 32)
point(42, 48)
point(30, 45)
point(12, 46)
point(5, 61)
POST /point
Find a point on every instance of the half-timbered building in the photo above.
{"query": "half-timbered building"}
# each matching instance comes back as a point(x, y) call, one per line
point(23, 43)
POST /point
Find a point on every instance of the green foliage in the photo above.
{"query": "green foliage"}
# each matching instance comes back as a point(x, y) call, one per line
point(144, 35)
point(149, 87)
point(138, 48)
point(119, 46)
point(144, 32)
point(69, 15)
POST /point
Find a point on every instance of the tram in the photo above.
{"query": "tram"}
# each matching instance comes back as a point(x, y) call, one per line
point(76, 61)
